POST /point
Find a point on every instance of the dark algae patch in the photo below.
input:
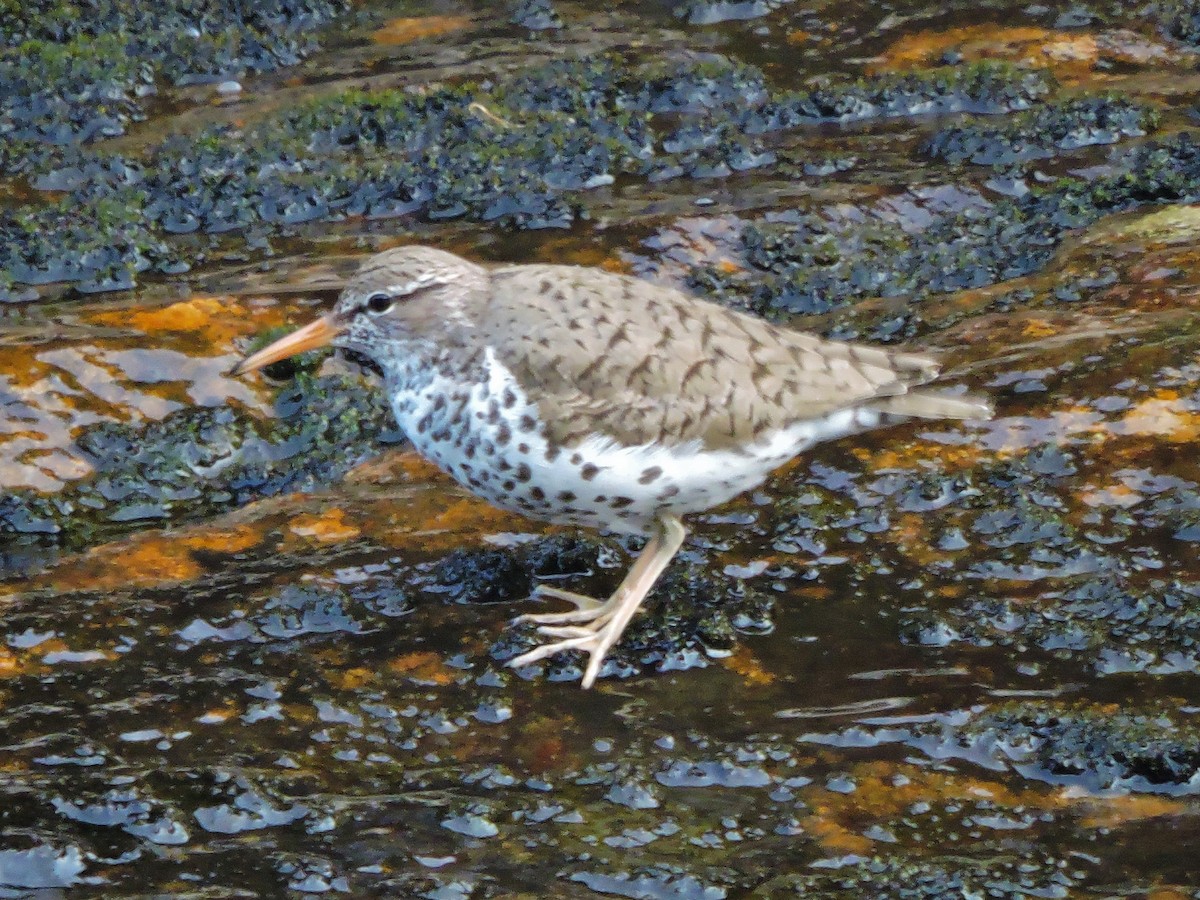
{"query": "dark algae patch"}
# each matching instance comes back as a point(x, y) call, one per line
point(812, 263)
point(515, 152)
point(1044, 132)
point(197, 462)
point(74, 73)
point(252, 646)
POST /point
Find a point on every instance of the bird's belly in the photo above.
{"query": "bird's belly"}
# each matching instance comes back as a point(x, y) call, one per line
point(501, 454)
point(488, 436)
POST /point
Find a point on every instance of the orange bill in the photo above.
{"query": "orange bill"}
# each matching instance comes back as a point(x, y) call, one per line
point(312, 336)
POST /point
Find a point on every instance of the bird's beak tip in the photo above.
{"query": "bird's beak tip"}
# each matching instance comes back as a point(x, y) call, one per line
point(314, 335)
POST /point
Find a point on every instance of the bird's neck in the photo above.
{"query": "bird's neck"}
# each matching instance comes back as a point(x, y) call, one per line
point(416, 365)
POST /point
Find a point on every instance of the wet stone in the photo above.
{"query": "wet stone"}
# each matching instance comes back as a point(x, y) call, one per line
point(1090, 746)
point(198, 461)
point(1039, 133)
point(939, 661)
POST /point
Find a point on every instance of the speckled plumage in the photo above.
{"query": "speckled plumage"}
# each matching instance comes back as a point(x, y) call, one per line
point(580, 396)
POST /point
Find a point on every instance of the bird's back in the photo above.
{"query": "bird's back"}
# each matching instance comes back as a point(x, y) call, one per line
point(640, 363)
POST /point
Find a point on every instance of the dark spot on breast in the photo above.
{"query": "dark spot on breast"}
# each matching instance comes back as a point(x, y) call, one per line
point(650, 474)
point(576, 459)
point(488, 448)
point(522, 448)
point(424, 423)
point(527, 423)
point(440, 403)
point(668, 493)
point(566, 496)
point(493, 415)
point(509, 485)
point(601, 498)
point(552, 453)
point(588, 472)
point(509, 399)
point(524, 473)
point(545, 287)
point(503, 465)
point(503, 434)
point(537, 493)
point(621, 502)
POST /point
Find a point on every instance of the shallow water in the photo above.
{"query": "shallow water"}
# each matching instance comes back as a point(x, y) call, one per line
point(252, 646)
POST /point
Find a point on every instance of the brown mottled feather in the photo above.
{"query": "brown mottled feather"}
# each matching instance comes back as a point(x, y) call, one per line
point(675, 367)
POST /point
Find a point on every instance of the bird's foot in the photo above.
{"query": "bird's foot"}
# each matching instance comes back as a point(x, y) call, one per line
point(594, 627)
point(595, 639)
point(587, 609)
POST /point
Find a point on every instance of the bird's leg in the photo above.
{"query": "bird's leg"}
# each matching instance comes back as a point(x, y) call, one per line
point(607, 621)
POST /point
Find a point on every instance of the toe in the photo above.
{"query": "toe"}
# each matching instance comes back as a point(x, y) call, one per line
point(581, 602)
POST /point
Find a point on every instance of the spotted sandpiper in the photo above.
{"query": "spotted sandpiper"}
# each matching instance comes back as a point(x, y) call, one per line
point(584, 397)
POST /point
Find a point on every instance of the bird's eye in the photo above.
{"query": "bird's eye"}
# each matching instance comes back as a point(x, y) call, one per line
point(379, 303)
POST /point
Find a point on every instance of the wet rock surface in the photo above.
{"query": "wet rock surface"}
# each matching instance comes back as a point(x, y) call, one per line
point(252, 646)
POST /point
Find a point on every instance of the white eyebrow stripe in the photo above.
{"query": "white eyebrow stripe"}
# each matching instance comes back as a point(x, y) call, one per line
point(410, 287)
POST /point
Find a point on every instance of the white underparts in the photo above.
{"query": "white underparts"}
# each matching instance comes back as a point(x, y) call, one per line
point(481, 436)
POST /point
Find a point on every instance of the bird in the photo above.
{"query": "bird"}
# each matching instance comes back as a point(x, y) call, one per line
point(591, 398)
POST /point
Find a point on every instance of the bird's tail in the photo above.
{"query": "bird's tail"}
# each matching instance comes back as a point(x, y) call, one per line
point(935, 405)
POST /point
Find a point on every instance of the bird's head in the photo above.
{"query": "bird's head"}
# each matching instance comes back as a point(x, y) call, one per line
point(398, 299)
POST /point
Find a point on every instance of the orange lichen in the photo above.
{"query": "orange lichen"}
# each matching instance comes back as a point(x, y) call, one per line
point(150, 559)
point(1111, 812)
point(1162, 416)
point(832, 835)
point(1115, 495)
point(814, 592)
point(543, 746)
point(421, 665)
point(910, 454)
point(406, 29)
point(613, 264)
point(1038, 328)
point(222, 540)
point(9, 664)
point(1169, 894)
point(396, 465)
point(328, 527)
point(216, 321)
point(436, 520)
point(838, 822)
point(219, 714)
point(20, 364)
point(1067, 53)
point(352, 679)
point(747, 665)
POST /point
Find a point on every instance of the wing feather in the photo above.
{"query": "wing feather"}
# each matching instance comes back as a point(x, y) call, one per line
point(615, 355)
